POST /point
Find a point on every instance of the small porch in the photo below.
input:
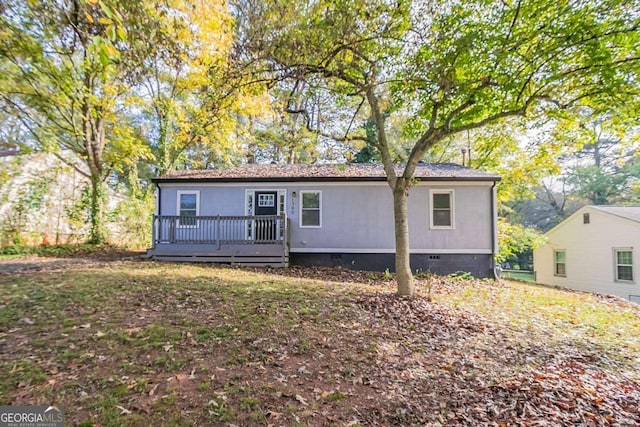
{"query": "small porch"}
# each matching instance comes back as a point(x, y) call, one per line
point(258, 240)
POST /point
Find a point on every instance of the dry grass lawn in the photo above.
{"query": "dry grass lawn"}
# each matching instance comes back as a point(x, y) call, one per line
point(141, 343)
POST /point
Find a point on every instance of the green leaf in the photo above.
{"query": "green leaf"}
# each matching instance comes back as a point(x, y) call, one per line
point(111, 32)
point(107, 10)
point(103, 55)
point(122, 34)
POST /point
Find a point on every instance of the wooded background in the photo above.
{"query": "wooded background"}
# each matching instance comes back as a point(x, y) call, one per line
point(544, 93)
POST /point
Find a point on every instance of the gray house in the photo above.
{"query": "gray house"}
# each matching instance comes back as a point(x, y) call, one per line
point(326, 215)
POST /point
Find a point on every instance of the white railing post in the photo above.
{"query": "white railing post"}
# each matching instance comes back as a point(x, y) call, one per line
point(218, 228)
point(154, 231)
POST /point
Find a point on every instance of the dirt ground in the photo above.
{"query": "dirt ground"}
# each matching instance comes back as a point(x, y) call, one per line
point(36, 263)
point(123, 342)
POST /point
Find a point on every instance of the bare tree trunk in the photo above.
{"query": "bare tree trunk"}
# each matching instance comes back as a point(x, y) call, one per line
point(251, 153)
point(291, 155)
point(404, 275)
point(95, 140)
point(400, 187)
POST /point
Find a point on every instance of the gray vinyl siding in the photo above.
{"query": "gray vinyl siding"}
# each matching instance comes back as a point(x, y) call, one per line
point(472, 219)
point(352, 217)
point(217, 200)
point(359, 216)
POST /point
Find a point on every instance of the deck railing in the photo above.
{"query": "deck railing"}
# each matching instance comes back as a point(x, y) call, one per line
point(219, 230)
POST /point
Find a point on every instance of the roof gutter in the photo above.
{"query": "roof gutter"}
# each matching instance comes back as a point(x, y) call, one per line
point(169, 180)
point(154, 230)
point(494, 231)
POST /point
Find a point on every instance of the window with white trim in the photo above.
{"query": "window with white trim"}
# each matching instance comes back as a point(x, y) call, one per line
point(442, 212)
point(281, 195)
point(188, 208)
point(560, 263)
point(623, 259)
point(266, 200)
point(311, 209)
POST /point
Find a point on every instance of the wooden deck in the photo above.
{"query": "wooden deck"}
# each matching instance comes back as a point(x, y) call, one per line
point(245, 240)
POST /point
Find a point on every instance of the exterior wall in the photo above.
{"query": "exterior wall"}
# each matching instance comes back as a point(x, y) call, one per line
point(214, 200)
point(63, 187)
point(358, 218)
point(590, 253)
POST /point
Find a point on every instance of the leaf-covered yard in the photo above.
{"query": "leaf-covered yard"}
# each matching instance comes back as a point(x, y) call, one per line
point(142, 343)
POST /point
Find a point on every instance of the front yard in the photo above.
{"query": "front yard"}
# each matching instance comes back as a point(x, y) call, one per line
point(142, 343)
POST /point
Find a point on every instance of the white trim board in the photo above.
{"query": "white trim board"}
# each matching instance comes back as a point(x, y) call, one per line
point(392, 251)
point(269, 185)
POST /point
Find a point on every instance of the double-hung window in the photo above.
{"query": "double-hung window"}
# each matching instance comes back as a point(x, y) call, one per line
point(188, 208)
point(311, 209)
point(560, 263)
point(623, 264)
point(442, 212)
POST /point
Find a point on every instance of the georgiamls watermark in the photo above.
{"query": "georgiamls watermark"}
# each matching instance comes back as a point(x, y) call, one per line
point(31, 416)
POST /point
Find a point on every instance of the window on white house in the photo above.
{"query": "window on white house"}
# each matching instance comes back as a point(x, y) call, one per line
point(311, 209)
point(585, 218)
point(442, 209)
point(624, 264)
point(188, 208)
point(560, 263)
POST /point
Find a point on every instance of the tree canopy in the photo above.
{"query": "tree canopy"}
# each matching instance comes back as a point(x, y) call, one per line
point(62, 80)
point(178, 84)
point(119, 82)
point(446, 67)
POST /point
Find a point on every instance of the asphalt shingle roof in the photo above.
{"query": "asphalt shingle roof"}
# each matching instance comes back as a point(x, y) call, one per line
point(329, 172)
point(628, 212)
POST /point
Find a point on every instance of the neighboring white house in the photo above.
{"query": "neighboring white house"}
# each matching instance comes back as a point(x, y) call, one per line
point(36, 191)
point(597, 249)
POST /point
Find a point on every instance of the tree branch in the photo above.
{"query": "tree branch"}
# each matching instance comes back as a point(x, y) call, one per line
point(381, 142)
point(514, 20)
point(493, 118)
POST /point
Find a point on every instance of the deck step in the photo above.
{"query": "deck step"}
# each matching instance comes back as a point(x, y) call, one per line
point(261, 264)
point(254, 261)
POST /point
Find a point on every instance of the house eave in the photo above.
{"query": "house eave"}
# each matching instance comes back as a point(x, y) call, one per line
point(178, 180)
point(587, 208)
